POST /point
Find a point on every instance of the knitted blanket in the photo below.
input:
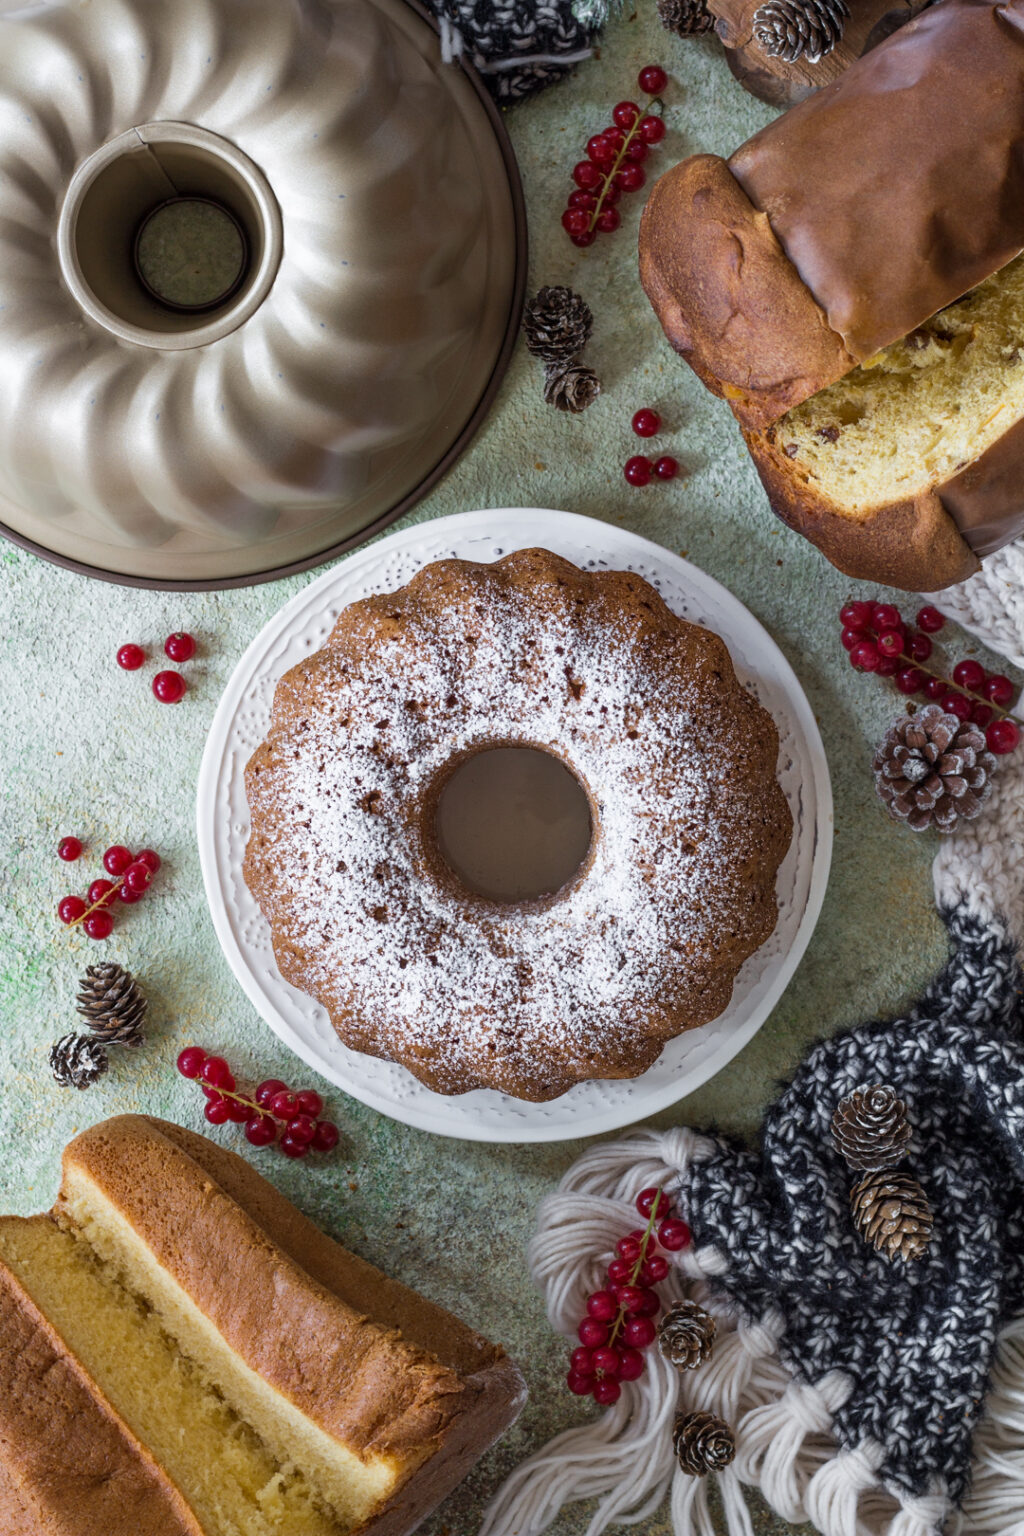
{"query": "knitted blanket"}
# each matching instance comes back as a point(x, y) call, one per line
point(519, 46)
point(870, 1398)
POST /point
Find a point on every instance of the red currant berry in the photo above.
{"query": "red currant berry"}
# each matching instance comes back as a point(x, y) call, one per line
point(629, 177)
point(625, 114)
point(148, 857)
point(69, 849)
point(592, 1333)
point(631, 1297)
point(131, 657)
point(652, 129)
point(587, 175)
point(576, 221)
point(310, 1102)
point(865, 656)
point(608, 221)
point(129, 897)
point(956, 704)
point(217, 1073)
point(137, 877)
point(888, 666)
point(607, 1361)
point(628, 1248)
point(580, 1384)
point(919, 647)
point(674, 1234)
point(890, 642)
point(180, 646)
point(638, 1332)
point(238, 1112)
point(71, 909)
point(646, 422)
point(615, 136)
point(855, 615)
point(301, 1128)
point(582, 1360)
point(998, 689)
point(292, 1148)
point(652, 80)
point(619, 1270)
point(102, 891)
point(117, 859)
point(885, 616)
point(587, 238)
point(610, 194)
point(581, 199)
point(99, 925)
point(327, 1136)
point(606, 1391)
point(911, 680)
point(848, 638)
point(648, 1198)
point(599, 150)
point(602, 1305)
point(260, 1130)
point(266, 1090)
point(169, 687)
point(637, 470)
point(631, 1364)
point(191, 1061)
point(970, 675)
point(981, 714)
point(655, 1269)
point(637, 151)
point(284, 1104)
point(930, 620)
point(666, 468)
point(650, 1304)
point(216, 1111)
point(934, 689)
point(1002, 736)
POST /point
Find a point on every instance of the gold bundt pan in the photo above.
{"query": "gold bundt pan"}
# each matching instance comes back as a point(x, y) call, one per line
point(382, 209)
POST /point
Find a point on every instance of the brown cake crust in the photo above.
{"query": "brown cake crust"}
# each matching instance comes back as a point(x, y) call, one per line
point(678, 760)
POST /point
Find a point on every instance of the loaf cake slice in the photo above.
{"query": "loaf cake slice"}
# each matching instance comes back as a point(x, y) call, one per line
point(231, 1370)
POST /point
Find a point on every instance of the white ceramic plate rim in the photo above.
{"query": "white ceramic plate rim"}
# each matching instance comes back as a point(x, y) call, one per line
point(507, 529)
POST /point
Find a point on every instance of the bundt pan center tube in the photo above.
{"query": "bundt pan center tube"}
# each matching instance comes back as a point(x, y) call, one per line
point(261, 267)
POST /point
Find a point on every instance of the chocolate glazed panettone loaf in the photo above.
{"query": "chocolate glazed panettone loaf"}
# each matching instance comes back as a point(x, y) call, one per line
point(851, 281)
point(183, 1354)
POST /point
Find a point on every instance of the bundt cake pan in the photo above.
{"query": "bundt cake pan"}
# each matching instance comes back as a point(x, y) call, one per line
point(383, 222)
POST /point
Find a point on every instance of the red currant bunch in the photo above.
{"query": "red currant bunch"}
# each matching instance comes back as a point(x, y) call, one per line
point(613, 165)
point(879, 640)
point(132, 872)
point(620, 1321)
point(271, 1108)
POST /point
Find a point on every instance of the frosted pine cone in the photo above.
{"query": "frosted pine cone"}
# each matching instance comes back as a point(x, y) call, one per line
point(686, 1334)
point(76, 1061)
point(557, 325)
point(800, 29)
point(870, 1128)
point(702, 1442)
point(686, 18)
point(570, 386)
point(891, 1212)
point(933, 770)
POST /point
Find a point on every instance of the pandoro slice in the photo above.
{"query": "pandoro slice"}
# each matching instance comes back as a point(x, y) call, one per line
point(205, 1317)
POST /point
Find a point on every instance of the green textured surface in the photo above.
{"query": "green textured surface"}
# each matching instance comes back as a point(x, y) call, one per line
point(84, 748)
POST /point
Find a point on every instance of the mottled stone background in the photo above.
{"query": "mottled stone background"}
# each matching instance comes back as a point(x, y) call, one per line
point(84, 748)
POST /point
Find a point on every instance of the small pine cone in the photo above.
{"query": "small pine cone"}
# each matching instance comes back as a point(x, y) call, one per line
point(570, 386)
point(870, 1128)
point(77, 1060)
point(800, 29)
point(703, 1443)
point(933, 770)
point(112, 1004)
point(557, 325)
point(891, 1212)
point(686, 18)
point(686, 1334)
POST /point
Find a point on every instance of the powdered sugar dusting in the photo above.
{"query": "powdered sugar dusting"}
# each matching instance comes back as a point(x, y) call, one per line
point(679, 762)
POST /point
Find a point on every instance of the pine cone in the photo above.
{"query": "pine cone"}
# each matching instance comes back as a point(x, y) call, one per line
point(77, 1060)
point(570, 386)
point(870, 1128)
point(933, 770)
point(686, 18)
point(686, 1334)
point(703, 1443)
point(800, 29)
point(557, 325)
point(891, 1212)
point(113, 1004)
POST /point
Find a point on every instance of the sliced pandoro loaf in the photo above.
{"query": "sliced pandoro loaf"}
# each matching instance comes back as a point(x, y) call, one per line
point(183, 1354)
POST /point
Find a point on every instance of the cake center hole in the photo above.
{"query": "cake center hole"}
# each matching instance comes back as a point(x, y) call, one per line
point(513, 824)
point(191, 253)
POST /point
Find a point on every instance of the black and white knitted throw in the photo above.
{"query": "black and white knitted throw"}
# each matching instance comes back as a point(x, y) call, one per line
point(869, 1398)
point(519, 46)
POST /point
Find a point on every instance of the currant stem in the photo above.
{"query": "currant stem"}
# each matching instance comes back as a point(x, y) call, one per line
point(638, 1266)
point(228, 1093)
point(979, 698)
point(627, 141)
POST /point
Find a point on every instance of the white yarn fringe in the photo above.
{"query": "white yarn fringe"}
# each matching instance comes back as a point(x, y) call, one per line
point(991, 603)
point(783, 1427)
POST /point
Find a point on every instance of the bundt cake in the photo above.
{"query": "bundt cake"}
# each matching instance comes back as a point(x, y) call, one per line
point(183, 1354)
point(689, 825)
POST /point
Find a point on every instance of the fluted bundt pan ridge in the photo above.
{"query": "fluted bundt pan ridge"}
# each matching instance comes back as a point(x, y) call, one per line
point(382, 222)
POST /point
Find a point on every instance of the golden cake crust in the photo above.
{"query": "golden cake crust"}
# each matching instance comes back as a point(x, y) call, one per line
point(678, 760)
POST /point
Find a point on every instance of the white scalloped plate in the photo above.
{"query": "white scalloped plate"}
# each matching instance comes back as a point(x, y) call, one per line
point(240, 724)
